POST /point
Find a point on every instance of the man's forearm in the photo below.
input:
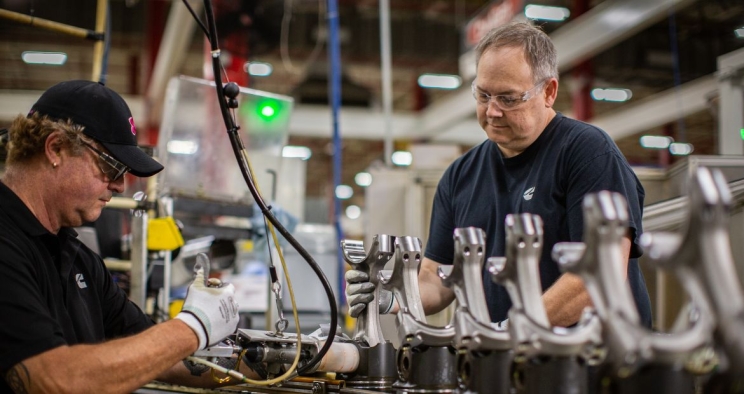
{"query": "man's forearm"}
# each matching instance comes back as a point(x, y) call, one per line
point(565, 300)
point(435, 296)
point(120, 365)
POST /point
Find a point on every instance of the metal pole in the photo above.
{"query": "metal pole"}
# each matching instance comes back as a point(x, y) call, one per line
point(51, 25)
point(167, 207)
point(101, 12)
point(138, 281)
point(334, 57)
point(387, 93)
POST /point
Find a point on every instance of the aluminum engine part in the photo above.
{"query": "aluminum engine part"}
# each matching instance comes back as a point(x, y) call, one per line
point(484, 357)
point(531, 332)
point(600, 262)
point(382, 250)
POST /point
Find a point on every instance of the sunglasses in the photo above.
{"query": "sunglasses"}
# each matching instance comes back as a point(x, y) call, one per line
point(112, 168)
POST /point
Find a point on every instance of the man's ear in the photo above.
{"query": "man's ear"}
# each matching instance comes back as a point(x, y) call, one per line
point(53, 147)
point(551, 92)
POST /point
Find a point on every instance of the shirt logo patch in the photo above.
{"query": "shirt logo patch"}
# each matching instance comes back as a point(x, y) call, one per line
point(528, 194)
point(80, 281)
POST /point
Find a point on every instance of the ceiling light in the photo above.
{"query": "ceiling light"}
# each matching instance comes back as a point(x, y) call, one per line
point(344, 192)
point(353, 212)
point(739, 32)
point(402, 158)
point(302, 152)
point(51, 58)
point(680, 149)
point(178, 147)
point(258, 69)
point(656, 141)
point(363, 179)
point(611, 94)
point(546, 13)
point(439, 81)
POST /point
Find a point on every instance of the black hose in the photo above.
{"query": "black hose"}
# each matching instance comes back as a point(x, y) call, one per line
point(238, 148)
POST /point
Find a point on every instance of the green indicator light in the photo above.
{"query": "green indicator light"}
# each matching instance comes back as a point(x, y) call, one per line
point(268, 112)
point(741, 132)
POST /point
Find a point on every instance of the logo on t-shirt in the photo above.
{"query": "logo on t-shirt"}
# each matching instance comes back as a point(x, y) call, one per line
point(528, 194)
point(80, 281)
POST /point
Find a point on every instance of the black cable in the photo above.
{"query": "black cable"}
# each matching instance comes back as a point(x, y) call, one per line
point(196, 18)
point(238, 148)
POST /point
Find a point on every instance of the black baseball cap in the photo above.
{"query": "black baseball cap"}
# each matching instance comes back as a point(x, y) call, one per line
point(105, 117)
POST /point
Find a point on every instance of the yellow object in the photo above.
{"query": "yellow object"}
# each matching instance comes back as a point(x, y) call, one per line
point(174, 308)
point(246, 246)
point(163, 234)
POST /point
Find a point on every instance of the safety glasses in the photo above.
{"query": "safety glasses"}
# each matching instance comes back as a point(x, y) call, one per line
point(112, 168)
point(506, 102)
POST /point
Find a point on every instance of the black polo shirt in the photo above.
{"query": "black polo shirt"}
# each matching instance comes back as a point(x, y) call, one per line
point(54, 290)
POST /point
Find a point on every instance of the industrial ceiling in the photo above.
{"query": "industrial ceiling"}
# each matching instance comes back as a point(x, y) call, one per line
point(665, 51)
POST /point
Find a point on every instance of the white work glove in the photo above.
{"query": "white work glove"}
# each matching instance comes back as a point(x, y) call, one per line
point(501, 325)
point(359, 293)
point(211, 311)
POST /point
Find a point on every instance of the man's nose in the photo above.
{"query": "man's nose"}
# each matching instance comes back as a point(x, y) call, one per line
point(493, 109)
point(117, 185)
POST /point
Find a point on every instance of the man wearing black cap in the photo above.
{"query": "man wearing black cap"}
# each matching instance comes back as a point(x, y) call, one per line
point(66, 326)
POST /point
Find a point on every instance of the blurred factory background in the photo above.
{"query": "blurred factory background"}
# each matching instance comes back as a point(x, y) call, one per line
point(646, 47)
point(633, 67)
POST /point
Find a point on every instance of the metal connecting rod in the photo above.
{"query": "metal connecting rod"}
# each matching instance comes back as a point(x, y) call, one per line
point(636, 354)
point(708, 250)
point(703, 253)
point(377, 355)
point(564, 353)
point(368, 322)
point(426, 360)
point(484, 357)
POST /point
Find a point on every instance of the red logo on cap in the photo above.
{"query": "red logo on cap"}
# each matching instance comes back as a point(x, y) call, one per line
point(131, 123)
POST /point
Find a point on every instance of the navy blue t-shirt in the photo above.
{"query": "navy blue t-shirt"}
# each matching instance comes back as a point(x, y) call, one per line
point(550, 178)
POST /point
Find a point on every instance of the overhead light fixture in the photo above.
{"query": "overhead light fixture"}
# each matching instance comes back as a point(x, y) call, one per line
point(179, 147)
point(611, 94)
point(656, 141)
point(49, 58)
point(439, 81)
point(546, 13)
point(402, 158)
point(363, 179)
point(680, 148)
point(344, 192)
point(302, 152)
point(258, 69)
point(739, 32)
point(353, 212)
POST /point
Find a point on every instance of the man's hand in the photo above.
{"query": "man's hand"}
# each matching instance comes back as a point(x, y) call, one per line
point(359, 293)
point(210, 310)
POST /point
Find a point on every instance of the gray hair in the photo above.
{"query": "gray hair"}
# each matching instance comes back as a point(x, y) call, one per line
point(538, 48)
